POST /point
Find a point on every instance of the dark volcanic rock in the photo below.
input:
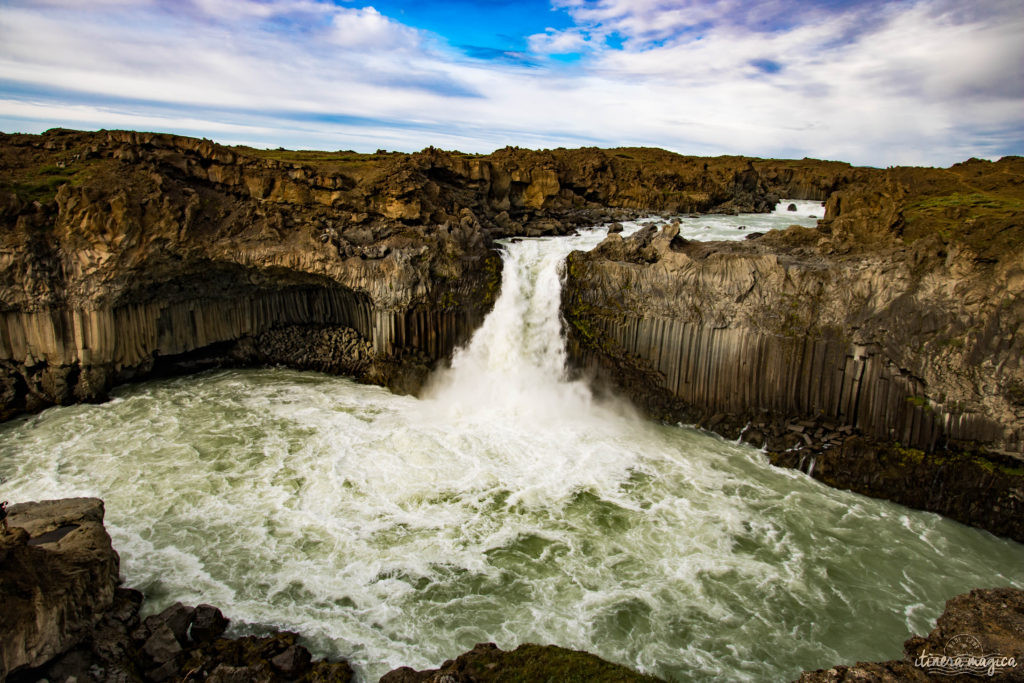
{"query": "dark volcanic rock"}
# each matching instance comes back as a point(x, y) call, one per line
point(977, 488)
point(486, 663)
point(177, 618)
point(985, 624)
point(116, 650)
point(161, 647)
point(54, 589)
point(127, 255)
point(908, 336)
point(209, 623)
point(268, 658)
point(292, 662)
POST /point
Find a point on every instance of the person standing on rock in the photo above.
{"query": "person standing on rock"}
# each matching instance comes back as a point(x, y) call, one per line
point(3, 515)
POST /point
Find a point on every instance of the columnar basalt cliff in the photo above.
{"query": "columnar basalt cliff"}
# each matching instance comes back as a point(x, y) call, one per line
point(127, 254)
point(143, 252)
point(881, 352)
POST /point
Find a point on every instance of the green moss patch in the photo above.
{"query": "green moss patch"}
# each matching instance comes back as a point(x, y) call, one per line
point(541, 664)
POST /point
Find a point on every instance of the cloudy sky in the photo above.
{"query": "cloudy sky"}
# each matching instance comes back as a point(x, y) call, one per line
point(880, 83)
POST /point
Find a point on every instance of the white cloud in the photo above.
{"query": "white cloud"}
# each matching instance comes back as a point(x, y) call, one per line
point(368, 28)
point(905, 84)
point(553, 42)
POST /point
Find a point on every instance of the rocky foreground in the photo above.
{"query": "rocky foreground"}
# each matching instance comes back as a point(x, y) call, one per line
point(66, 618)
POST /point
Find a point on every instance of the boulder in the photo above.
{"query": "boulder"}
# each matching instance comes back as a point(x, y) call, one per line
point(293, 662)
point(59, 574)
point(178, 618)
point(161, 647)
point(208, 623)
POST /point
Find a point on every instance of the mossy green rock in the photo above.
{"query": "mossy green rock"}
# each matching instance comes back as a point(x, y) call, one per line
point(486, 663)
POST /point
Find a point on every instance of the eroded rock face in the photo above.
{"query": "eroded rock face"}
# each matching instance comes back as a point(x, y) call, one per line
point(872, 326)
point(157, 253)
point(983, 622)
point(58, 573)
point(125, 255)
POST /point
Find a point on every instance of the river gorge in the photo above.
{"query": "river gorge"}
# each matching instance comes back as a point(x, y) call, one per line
point(507, 503)
point(622, 401)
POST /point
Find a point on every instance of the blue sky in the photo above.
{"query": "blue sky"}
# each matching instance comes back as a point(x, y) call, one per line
point(914, 82)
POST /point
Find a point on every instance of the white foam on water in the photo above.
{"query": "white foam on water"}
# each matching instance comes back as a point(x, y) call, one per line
point(507, 505)
point(722, 227)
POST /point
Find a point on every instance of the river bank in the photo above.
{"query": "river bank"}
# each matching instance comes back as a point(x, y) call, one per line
point(507, 504)
point(68, 619)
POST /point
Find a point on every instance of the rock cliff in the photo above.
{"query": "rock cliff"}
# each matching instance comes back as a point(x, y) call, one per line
point(880, 352)
point(58, 572)
point(124, 255)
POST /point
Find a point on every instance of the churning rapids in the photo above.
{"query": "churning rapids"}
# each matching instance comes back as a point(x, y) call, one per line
point(506, 505)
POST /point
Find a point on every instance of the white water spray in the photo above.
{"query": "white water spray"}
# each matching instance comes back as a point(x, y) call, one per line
point(514, 367)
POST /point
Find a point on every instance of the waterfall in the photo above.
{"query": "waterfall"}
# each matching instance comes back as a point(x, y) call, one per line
point(508, 506)
point(514, 365)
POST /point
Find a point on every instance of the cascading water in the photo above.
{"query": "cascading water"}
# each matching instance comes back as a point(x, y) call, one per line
point(514, 367)
point(505, 506)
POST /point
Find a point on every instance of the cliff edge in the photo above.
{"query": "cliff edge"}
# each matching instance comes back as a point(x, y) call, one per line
point(125, 255)
point(880, 352)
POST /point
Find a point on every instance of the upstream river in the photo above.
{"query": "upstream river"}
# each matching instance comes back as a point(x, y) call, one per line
point(507, 505)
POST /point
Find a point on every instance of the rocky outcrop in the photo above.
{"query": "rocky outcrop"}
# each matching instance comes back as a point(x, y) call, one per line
point(486, 663)
point(125, 255)
point(65, 617)
point(979, 635)
point(896, 323)
point(181, 643)
point(159, 254)
point(58, 571)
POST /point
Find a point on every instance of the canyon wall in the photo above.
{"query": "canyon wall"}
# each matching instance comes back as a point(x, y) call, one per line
point(154, 254)
point(896, 323)
point(124, 255)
